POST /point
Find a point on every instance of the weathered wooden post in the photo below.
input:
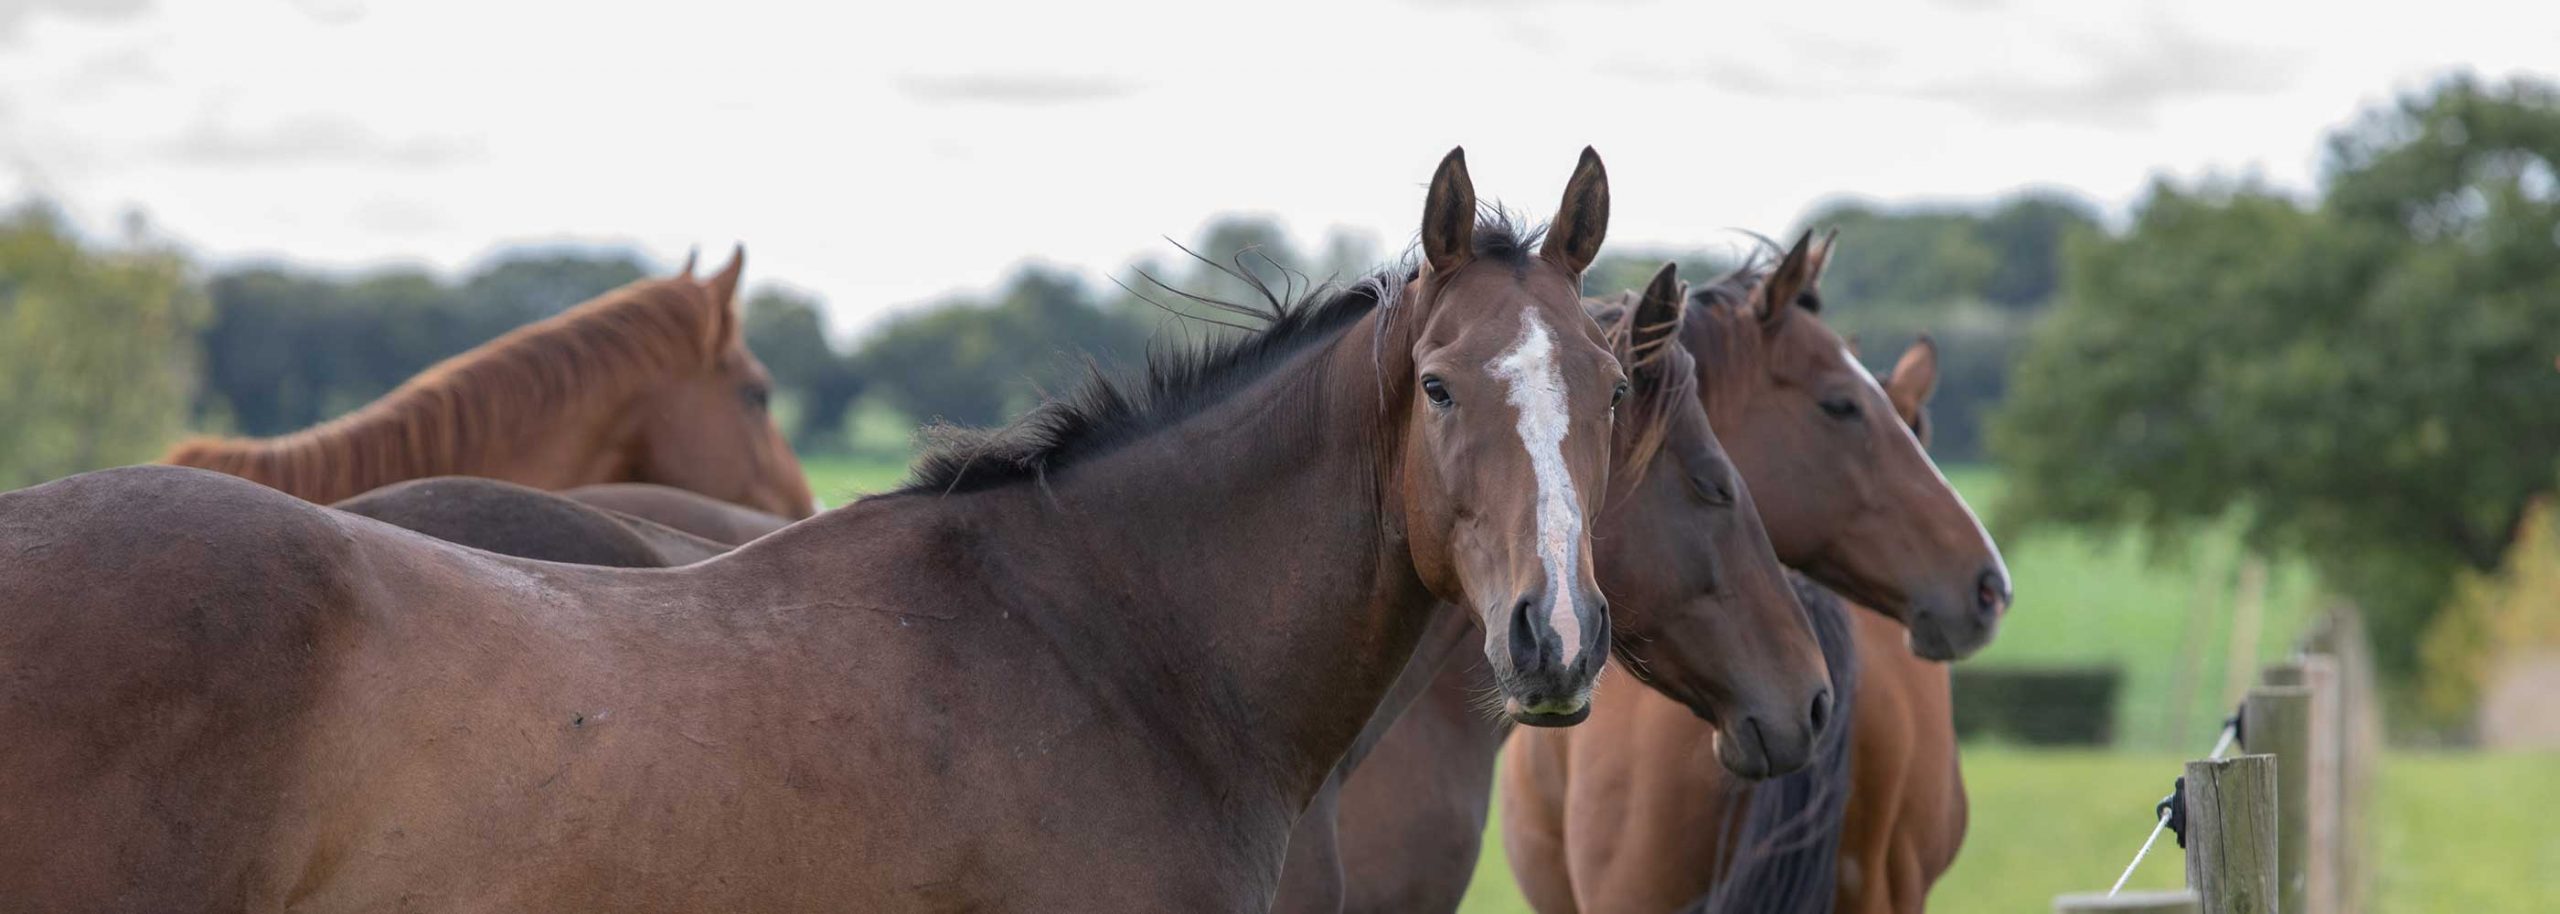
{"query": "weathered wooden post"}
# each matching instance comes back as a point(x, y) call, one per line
point(2340, 636)
point(2323, 749)
point(2161, 901)
point(2276, 720)
point(2231, 834)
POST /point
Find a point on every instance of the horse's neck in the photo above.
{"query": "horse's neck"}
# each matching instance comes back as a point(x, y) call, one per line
point(1240, 569)
point(1441, 652)
point(574, 442)
point(1252, 552)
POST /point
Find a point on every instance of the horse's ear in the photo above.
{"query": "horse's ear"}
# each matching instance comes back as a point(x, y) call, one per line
point(1914, 378)
point(1582, 220)
point(1656, 321)
point(723, 287)
point(1822, 250)
point(1449, 215)
point(1777, 295)
point(686, 271)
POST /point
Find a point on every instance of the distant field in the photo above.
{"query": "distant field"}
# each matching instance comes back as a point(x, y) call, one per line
point(836, 480)
point(2460, 833)
point(2086, 599)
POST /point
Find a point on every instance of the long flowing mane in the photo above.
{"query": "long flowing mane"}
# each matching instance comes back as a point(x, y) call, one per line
point(452, 416)
point(1103, 413)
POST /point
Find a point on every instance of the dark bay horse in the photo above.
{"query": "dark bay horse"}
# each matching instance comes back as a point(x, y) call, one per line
point(651, 382)
point(1095, 661)
point(691, 512)
point(1839, 481)
point(510, 519)
point(1623, 815)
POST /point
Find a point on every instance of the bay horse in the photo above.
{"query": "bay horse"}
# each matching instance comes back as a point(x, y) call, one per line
point(1622, 816)
point(1703, 609)
point(1094, 661)
point(1844, 490)
point(692, 512)
point(651, 382)
point(510, 519)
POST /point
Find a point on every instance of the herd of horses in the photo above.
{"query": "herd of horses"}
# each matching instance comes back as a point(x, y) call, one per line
point(556, 626)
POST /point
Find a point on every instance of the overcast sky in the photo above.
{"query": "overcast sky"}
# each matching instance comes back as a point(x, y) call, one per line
point(880, 157)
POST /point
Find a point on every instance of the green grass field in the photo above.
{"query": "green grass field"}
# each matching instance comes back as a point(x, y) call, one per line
point(836, 480)
point(2458, 832)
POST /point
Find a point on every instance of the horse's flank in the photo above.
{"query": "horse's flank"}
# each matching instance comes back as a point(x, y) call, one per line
point(479, 412)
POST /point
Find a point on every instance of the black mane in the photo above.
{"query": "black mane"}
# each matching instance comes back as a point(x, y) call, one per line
point(1103, 413)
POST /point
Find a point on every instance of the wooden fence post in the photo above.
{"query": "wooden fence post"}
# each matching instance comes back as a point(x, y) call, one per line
point(2276, 720)
point(2231, 834)
point(2340, 636)
point(2169, 901)
point(2320, 784)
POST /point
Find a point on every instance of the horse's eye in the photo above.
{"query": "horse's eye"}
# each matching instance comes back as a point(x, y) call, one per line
point(757, 395)
point(1617, 394)
point(1712, 491)
point(1840, 408)
point(1435, 391)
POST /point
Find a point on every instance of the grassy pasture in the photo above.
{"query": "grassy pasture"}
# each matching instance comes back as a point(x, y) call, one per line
point(2459, 832)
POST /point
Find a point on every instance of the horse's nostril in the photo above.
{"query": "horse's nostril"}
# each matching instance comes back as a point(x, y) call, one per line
point(1821, 716)
point(1990, 592)
point(1525, 647)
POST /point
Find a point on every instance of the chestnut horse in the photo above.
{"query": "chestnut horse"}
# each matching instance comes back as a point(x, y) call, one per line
point(648, 383)
point(1621, 816)
point(1844, 490)
point(1096, 661)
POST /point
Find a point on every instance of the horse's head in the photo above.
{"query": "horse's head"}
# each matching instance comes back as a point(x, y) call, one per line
point(1704, 610)
point(1848, 493)
point(1506, 444)
point(711, 431)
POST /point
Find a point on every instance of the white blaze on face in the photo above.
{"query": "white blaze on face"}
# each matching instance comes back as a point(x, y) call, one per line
point(1537, 391)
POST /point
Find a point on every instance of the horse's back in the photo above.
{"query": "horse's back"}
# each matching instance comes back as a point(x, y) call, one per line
point(509, 519)
point(164, 632)
point(685, 510)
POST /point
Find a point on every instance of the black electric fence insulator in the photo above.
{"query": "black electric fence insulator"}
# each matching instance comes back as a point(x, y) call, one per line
point(2175, 807)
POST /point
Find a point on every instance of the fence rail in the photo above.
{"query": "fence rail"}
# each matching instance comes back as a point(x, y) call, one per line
point(2282, 828)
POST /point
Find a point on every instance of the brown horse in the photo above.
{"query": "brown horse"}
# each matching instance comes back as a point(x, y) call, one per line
point(709, 518)
point(1622, 816)
point(1706, 615)
point(510, 519)
point(648, 383)
point(1096, 661)
point(1797, 414)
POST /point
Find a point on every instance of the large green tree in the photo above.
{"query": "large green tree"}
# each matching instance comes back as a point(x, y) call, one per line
point(2367, 379)
point(787, 331)
point(97, 349)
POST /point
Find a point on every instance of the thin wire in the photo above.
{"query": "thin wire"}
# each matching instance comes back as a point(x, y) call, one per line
point(2138, 855)
point(2224, 744)
point(2219, 747)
